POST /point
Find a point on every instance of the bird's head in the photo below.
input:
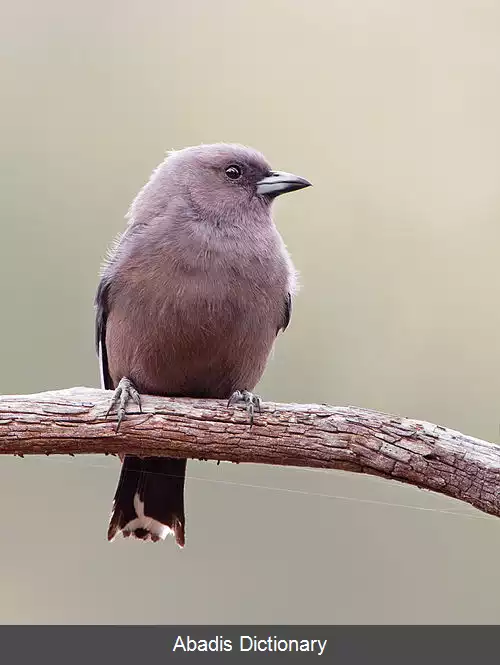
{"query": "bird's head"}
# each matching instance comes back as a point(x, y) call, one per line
point(220, 180)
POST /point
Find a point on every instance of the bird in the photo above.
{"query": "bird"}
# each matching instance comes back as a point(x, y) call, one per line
point(191, 298)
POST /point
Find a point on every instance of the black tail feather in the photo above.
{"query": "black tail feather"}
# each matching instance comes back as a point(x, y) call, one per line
point(149, 499)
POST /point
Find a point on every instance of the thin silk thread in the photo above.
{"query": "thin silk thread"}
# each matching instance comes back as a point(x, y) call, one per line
point(338, 497)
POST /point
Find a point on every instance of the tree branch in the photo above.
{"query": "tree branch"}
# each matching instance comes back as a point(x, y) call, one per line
point(307, 435)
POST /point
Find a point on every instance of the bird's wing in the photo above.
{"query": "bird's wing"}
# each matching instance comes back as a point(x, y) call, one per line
point(287, 313)
point(102, 309)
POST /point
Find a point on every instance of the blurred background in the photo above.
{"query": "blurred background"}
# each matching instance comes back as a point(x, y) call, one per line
point(392, 109)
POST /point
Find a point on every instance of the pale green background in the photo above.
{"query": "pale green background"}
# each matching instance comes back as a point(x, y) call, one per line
point(392, 109)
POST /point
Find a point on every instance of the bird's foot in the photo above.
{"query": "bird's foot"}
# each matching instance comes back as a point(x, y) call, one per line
point(125, 391)
point(250, 401)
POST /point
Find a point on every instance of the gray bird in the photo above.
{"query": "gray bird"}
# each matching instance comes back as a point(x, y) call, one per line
point(191, 299)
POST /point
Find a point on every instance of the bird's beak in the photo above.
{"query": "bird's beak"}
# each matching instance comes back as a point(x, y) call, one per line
point(279, 182)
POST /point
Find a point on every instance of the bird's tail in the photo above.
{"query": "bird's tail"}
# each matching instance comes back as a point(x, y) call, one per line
point(149, 499)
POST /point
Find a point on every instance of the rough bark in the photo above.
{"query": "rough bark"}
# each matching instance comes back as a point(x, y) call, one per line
point(307, 435)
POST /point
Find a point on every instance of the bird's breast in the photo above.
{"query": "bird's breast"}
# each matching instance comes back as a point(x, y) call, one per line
point(204, 332)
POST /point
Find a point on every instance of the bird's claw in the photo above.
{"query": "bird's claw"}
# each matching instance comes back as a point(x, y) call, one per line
point(125, 391)
point(247, 398)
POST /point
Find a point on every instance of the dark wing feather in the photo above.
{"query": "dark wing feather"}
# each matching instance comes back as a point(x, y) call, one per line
point(287, 313)
point(102, 309)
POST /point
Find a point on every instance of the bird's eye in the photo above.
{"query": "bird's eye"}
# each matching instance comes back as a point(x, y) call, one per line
point(233, 172)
